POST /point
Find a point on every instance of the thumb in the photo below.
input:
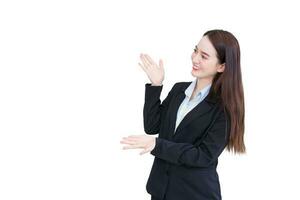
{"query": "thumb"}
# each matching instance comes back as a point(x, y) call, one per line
point(160, 63)
point(146, 150)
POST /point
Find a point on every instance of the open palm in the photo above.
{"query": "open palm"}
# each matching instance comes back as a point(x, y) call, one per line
point(154, 72)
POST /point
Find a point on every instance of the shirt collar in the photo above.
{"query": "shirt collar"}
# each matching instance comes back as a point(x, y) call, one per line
point(190, 89)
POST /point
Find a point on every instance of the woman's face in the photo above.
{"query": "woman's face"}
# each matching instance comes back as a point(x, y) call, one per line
point(204, 59)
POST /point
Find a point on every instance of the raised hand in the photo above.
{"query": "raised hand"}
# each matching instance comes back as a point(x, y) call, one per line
point(154, 72)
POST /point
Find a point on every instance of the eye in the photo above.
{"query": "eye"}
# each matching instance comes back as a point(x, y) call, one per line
point(195, 50)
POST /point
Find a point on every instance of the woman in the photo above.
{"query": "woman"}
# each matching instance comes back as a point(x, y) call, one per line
point(195, 122)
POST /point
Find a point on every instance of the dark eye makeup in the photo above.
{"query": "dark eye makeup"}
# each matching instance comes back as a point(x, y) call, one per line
point(195, 50)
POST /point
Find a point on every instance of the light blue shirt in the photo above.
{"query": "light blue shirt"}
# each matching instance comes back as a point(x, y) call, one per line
point(187, 104)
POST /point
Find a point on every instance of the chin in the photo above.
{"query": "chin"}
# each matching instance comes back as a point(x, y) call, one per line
point(196, 75)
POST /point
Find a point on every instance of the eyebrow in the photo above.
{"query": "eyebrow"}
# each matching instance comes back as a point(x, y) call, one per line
point(202, 51)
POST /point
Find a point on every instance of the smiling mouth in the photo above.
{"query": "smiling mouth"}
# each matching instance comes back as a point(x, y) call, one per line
point(195, 67)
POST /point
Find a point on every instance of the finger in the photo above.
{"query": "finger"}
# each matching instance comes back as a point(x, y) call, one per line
point(145, 60)
point(149, 59)
point(134, 136)
point(144, 151)
point(132, 147)
point(127, 142)
point(143, 67)
point(160, 63)
point(130, 139)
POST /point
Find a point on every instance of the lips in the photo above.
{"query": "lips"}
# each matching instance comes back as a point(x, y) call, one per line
point(195, 67)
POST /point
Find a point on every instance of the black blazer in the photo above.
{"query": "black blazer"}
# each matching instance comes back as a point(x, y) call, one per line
point(184, 166)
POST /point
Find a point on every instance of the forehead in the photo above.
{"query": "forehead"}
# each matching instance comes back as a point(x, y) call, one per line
point(205, 45)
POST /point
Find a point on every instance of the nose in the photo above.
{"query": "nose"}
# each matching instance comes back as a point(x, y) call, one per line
point(196, 58)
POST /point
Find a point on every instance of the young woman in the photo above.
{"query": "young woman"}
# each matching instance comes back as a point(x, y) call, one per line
point(195, 122)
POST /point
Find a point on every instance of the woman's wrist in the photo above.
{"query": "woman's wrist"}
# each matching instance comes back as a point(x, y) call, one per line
point(156, 84)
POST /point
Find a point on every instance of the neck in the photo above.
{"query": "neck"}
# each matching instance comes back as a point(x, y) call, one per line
point(202, 83)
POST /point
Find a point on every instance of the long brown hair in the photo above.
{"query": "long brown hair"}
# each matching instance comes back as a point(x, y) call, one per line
point(228, 84)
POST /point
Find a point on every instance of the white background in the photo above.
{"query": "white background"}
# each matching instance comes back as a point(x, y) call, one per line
point(71, 88)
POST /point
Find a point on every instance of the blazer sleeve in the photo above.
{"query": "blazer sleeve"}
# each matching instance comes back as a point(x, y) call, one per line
point(201, 155)
point(154, 110)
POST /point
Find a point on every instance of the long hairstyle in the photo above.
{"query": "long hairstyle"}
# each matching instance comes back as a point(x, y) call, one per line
point(228, 85)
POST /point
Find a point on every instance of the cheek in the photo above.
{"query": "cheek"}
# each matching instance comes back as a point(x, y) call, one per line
point(208, 66)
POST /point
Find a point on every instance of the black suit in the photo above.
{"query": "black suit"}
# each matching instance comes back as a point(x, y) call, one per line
point(184, 166)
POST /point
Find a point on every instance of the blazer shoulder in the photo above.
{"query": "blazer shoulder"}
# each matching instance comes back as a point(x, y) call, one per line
point(181, 85)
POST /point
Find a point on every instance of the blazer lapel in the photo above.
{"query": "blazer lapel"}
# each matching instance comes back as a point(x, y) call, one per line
point(200, 109)
point(174, 106)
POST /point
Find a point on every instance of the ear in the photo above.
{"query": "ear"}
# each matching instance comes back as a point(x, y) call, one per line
point(221, 68)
